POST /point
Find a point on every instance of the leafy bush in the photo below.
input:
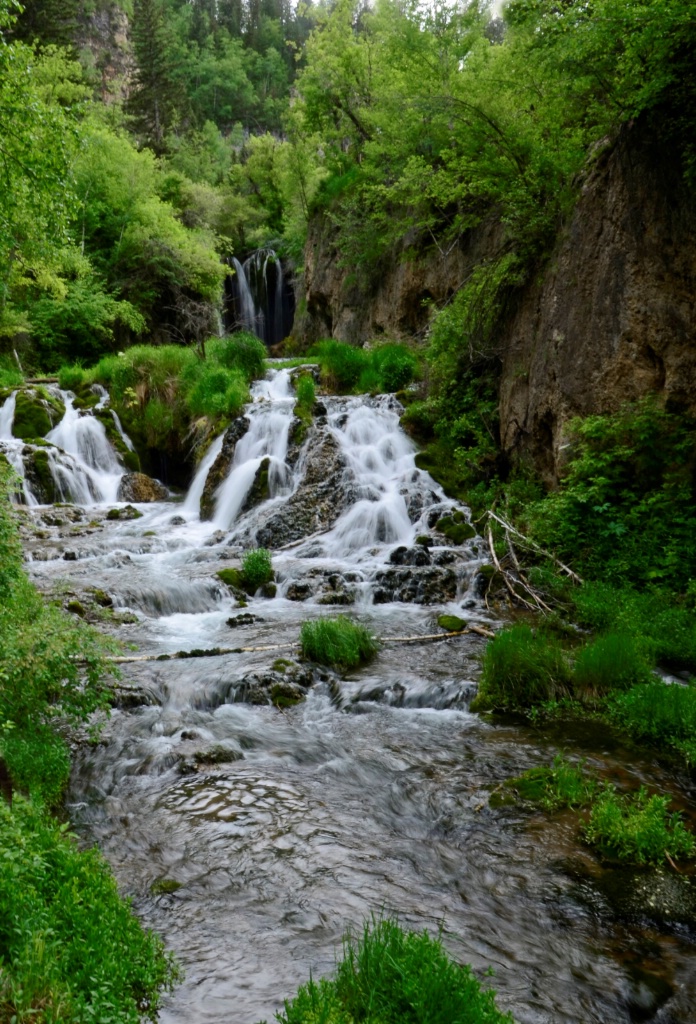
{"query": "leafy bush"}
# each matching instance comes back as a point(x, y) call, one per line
point(396, 366)
point(611, 662)
point(637, 828)
point(340, 642)
point(216, 391)
point(389, 976)
point(257, 569)
point(341, 364)
point(660, 713)
point(71, 377)
point(522, 668)
point(38, 761)
point(10, 374)
point(70, 948)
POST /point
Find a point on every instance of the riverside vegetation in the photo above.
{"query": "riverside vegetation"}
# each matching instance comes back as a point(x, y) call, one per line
point(64, 926)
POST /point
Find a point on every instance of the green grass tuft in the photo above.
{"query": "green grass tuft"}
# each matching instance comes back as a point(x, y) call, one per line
point(391, 976)
point(340, 642)
point(661, 713)
point(71, 377)
point(611, 662)
point(257, 569)
point(522, 668)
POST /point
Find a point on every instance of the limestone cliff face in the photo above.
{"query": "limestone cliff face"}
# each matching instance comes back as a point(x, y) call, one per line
point(104, 44)
point(611, 317)
point(397, 299)
point(614, 316)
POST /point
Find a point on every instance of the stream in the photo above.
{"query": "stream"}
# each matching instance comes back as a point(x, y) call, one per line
point(252, 836)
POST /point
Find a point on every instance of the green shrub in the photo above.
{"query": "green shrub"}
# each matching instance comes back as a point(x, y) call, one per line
point(305, 392)
point(389, 976)
point(396, 365)
point(522, 668)
point(38, 761)
point(10, 374)
point(660, 713)
point(257, 569)
point(341, 364)
point(241, 351)
point(611, 662)
point(215, 391)
point(158, 421)
point(71, 377)
point(637, 828)
point(340, 642)
point(72, 950)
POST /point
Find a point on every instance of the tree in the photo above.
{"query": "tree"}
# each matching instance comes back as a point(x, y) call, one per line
point(154, 100)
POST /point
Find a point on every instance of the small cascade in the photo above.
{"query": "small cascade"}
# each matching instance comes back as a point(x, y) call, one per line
point(7, 417)
point(270, 417)
point(192, 503)
point(259, 299)
point(95, 471)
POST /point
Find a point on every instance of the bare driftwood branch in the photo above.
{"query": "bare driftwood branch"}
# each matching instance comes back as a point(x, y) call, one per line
point(535, 547)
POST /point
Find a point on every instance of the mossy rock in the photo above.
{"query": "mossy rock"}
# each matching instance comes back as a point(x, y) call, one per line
point(32, 417)
point(77, 608)
point(259, 491)
point(130, 459)
point(451, 623)
point(432, 461)
point(269, 590)
point(124, 513)
point(217, 754)
point(425, 541)
point(232, 578)
point(285, 695)
point(282, 665)
point(456, 528)
point(164, 887)
point(37, 470)
point(101, 597)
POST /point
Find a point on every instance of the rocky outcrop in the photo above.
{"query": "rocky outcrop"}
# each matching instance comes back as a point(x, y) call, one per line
point(140, 488)
point(395, 301)
point(103, 40)
point(320, 498)
point(221, 467)
point(614, 316)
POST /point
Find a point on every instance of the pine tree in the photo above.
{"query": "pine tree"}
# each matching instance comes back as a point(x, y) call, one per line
point(153, 101)
point(48, 22)
point(231, 16)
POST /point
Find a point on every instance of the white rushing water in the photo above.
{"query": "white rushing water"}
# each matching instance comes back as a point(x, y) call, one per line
point(7, 413)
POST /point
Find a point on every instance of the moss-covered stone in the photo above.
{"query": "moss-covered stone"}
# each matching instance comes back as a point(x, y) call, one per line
point(102, 598)
point(164, 887)
point(231, 578)
point(259, 491)
point(31, 416)
point(455, 527)
point(269, 590)
point(77, 608)
point(285, 695)
point(37, 470)
point(217, 754)
point(128, 512)
point(451, 623)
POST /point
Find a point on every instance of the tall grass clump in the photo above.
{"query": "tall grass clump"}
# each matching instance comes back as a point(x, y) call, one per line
point(339, 642)
point(241, 351)
point(391, 976)
point(346, 368)
point(562, 784)
point(611, 662)
point(71, 377)
point(10, 374)
point(661, 713)
point(521, 668)
point(305, 392)
point(257, 569)
point(638, 828)
point(215, 391)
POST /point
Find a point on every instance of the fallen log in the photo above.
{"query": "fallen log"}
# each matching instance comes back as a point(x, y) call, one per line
point(219, 652)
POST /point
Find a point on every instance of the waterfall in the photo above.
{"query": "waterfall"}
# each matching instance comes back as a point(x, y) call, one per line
point(195, 491)
point(259, 298)
point(270, 417)
point(96, 471)
point(7, 417)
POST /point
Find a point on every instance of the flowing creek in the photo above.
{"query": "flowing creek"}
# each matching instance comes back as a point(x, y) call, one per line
point(282, 828)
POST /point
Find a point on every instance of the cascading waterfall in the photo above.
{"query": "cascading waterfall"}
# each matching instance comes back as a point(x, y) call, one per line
point(259, 298)
point(7, 417)
point(12, 448)
point(267, 438)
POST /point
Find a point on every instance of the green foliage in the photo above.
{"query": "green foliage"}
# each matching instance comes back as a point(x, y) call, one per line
point(215, 391)
point(611, 662)
point(625, 510)
point(346, 368)
point(305, 392)
point(638, 828)
point(563, 784)
point(240, 351)
point(10, 374)
point(389, 976)
point(70, 949)
point(521, 668)
point(71, 377)
point(339, 642)
point(658, 713)
point(38, 761)
point(257, 569)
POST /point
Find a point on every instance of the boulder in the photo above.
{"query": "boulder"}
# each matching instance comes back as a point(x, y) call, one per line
point(141, 488)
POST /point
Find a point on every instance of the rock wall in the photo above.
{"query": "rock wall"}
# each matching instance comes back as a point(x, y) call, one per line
point(103, 41)
point(611, 317)
point(614, 316)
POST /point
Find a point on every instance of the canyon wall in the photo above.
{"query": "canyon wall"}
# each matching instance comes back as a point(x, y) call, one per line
point(609, 318)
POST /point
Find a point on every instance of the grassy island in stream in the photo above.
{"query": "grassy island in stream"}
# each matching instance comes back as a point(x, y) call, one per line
point(71, 948)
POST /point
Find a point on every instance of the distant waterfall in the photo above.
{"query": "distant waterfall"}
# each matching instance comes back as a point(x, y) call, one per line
point(259, 297)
